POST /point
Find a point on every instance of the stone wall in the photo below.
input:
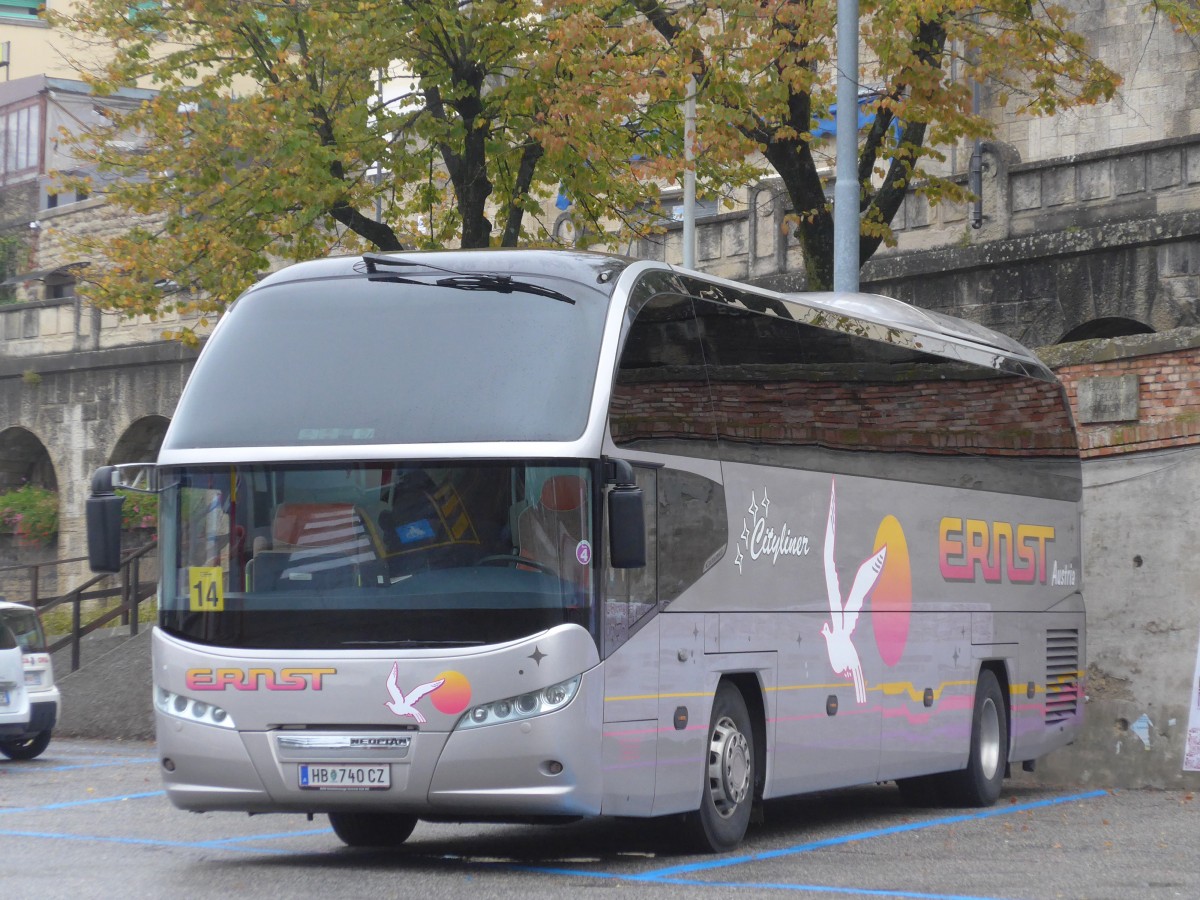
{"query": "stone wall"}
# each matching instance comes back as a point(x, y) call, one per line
point(1137, 405)
point(36, 326)
point(1064, 242)
point(1161, 72)
point(81, 404)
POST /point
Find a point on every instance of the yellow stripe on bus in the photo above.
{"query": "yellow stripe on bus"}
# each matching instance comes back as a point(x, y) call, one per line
point(889, 689)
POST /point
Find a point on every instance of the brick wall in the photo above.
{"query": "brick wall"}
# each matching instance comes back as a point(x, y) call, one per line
point(779, 405)
point(1133, 394)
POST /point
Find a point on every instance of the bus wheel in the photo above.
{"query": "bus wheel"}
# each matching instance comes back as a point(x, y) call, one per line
point(720, 822)
point(26, 748)
point(361, 829)
point(979, 783)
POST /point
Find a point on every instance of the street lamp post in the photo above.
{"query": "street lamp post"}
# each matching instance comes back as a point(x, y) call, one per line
point(689, 176)
point(846, 188)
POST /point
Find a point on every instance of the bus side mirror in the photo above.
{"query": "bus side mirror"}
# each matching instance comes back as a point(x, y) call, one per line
point(626, 520)
point(104, 523)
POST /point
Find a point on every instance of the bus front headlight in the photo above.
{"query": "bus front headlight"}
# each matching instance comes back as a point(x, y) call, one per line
point(523, 706)
point(190, 710)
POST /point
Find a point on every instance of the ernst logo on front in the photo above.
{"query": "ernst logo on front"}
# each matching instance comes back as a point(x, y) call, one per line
point(759, 540)
point(291, 679)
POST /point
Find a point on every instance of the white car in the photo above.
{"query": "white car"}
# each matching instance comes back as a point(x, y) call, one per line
point(35, 680)
point(14, 701)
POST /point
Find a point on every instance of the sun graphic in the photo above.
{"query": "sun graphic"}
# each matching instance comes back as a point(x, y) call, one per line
point(891, 601)
point(454, 695)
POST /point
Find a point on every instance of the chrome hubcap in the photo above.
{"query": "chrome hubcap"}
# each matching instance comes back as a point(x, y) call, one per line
point(989, 740)
point(729, 767)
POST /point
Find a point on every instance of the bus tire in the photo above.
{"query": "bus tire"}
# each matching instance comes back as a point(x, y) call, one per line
point(28, 747)
point(720, 822)
point(979, 783)
point(363, 829)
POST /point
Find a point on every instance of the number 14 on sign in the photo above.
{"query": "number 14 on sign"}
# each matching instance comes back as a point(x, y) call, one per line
point(206, 592)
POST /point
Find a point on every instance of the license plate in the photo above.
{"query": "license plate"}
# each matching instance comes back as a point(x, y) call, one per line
point(33, 679)
point(345, 778)
point(3, 698)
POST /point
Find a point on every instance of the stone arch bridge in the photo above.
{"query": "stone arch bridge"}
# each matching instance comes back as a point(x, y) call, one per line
point(98, 392)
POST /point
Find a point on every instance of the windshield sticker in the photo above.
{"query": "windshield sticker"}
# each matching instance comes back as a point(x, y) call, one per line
point(297, 679)
point(759, 539)
point(412, 532)
point(583, 553)
point(449, 693)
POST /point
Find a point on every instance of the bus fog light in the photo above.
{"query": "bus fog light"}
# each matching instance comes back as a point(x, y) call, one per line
point(523, 706)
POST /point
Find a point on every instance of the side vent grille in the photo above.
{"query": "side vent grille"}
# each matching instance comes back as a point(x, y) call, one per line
point(1062, 675)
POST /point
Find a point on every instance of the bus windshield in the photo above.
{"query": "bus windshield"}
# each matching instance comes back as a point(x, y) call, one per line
point(345, 555)
point(357, 362)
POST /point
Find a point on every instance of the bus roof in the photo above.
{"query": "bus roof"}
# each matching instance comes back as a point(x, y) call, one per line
point(890, 311)
point(601, 267)
point(593, 268)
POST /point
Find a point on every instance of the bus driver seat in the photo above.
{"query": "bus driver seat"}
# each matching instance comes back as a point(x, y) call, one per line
point(551, 532)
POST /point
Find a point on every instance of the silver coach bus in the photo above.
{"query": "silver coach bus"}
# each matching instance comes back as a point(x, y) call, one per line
point(530, 534)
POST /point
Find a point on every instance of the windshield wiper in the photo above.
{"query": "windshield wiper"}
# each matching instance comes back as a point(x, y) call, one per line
point(375, 260)
point(497, 284)
point(500, 284)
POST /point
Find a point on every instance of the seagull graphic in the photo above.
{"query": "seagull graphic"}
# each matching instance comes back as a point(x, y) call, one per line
point(403, 705)
point(842, 655)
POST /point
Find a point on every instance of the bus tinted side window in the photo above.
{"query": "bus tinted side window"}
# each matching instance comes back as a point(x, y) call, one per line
point(661, 404)
point(660, 400)
point(791, 394)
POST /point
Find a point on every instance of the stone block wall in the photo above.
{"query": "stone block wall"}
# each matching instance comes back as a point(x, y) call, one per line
point(37, 326)
point(1137, 407)
point(1161, 72)
point(1063, 242)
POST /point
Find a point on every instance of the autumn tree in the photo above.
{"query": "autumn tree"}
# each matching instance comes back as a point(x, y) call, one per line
point(768, 69)
point(282, 129)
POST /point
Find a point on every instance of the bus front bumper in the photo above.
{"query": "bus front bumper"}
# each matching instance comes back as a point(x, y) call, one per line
point(549, 765)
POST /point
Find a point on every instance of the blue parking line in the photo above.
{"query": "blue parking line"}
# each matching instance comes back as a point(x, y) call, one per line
point(143, 842)
point(91, 800)
point(282, 835)
point(17, 768)
point(674, 875)
point(664, 874)
point(670, 875)
point(828, 889)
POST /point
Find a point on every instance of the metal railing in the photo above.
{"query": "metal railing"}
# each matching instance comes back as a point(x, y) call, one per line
point(129, 587)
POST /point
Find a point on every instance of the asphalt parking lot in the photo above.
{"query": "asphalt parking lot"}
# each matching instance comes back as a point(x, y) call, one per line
point(89, 819)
